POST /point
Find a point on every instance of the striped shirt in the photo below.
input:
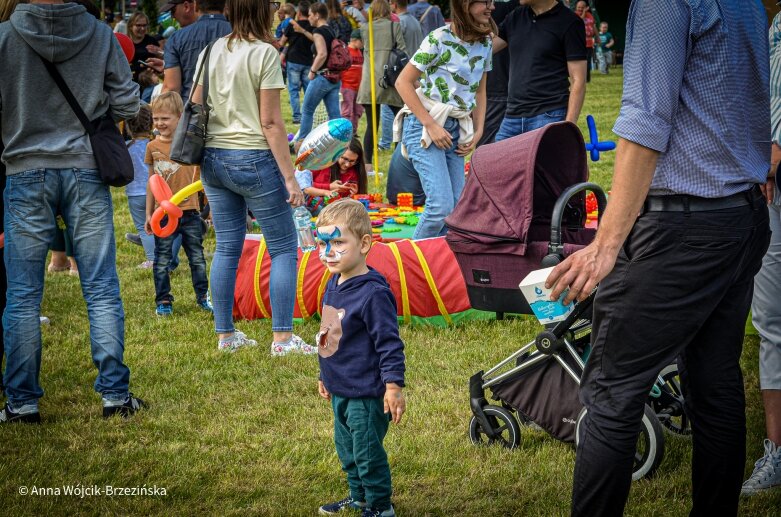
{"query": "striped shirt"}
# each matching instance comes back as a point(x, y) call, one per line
point(696, 83)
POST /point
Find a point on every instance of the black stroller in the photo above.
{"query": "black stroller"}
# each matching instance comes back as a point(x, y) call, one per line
point(522, 209)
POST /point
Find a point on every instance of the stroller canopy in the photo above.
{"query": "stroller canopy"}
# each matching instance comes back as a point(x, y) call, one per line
point(514, 184)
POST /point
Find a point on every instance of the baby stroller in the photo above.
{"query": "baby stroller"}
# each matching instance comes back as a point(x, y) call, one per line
point(522, 209)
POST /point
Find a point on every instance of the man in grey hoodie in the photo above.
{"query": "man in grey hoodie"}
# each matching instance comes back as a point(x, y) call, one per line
point(51, 170)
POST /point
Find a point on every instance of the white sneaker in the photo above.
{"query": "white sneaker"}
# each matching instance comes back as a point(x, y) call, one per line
point(767, 471)
point(296, 345)
point(372, 173)
point(238, 340)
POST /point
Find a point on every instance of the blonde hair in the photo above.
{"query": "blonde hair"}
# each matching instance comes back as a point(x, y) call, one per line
point(131, 22)
point(348, 212)
point(170, 102)
point(380, 9)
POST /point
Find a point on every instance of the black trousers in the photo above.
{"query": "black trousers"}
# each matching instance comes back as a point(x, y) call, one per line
point(681, 288)
point(368, 138)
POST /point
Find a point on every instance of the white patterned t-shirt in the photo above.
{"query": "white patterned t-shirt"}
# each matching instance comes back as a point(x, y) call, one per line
point(452, 68)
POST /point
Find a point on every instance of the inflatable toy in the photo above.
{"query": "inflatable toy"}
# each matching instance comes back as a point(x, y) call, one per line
point(594, 146)
point(423, 275)
point(324, 145)
point(168, 204)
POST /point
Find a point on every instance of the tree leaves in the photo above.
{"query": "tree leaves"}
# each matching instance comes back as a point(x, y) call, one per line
point(442, 88)
point(424, 58)
point(473, 62)
point(460, 49)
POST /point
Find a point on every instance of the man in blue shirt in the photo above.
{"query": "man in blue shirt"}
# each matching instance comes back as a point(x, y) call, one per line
point(182, 49)
point(678, 246)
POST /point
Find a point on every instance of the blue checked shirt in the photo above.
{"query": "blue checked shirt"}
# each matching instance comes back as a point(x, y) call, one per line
point(775, 90)
point(696, 83)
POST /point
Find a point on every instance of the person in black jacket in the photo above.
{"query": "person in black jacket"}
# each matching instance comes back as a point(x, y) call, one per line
point(361, 357)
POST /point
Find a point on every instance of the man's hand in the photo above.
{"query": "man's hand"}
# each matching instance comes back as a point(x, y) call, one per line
point(581, 272)
point(394, 401)
point(156, 64)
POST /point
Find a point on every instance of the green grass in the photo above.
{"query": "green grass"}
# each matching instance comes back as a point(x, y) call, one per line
point(247, 434)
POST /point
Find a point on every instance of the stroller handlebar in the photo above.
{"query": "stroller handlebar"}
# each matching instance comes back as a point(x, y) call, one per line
point(556, 247)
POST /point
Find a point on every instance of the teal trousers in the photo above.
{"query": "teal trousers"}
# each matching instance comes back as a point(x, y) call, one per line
point(360, 426)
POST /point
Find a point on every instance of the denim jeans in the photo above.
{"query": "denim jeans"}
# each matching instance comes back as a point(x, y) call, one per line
point(137, 206)
point(319, 89)
point(514, 126)
point(32, 200)
point(190, 233)
point(441, 173)
point(297, 78)
point(235, 180)
point(386, 127)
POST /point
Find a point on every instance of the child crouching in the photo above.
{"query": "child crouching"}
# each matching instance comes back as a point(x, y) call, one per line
point(361, 357)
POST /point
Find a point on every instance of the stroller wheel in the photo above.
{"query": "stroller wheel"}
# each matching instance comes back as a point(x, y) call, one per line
point(650, 444)
point(504, 427)
point(669, 405)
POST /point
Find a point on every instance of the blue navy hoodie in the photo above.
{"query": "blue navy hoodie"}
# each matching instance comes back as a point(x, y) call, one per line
point(359, 345)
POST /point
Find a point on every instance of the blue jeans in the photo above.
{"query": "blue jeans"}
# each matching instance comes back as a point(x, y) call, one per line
point(319, 89)
point(190, 233)
point(137, 206)
point(235, 180)
point(441, 173)
point(514, 126)
point(386, 125)
point(32, 200)
point(297, 77)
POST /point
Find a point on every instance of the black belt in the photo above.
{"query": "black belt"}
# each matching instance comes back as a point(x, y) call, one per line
point(191, 211)
point(686, 203)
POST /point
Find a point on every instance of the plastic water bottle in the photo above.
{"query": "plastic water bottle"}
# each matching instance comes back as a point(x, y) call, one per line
point(302, 220)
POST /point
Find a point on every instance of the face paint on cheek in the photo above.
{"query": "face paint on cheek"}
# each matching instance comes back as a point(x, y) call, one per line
point(326, 238)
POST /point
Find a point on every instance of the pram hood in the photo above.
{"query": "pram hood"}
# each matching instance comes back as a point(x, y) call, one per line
point(514, 184)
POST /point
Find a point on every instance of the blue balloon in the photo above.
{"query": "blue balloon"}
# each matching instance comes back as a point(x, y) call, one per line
point(594, 146)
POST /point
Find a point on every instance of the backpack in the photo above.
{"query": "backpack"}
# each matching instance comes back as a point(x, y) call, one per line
point(338, 59)
point(397, 60)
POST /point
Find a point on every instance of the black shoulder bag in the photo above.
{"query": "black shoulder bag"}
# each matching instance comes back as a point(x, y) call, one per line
point(397, 60)
point(189, 138)
point(108, 146)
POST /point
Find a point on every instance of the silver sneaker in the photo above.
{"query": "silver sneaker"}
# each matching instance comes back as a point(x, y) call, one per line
point(767, 471)
point(296, 345)
point(233, 343)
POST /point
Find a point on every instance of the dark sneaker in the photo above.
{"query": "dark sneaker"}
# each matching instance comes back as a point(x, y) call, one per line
point(206, 305)
point(27, 414)
point(373, 512)
point(338, 506)
point(123, 409)
point(134, 238)
point(164, 309)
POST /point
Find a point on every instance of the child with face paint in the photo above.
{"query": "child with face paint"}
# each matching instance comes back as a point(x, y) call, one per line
point(361, 357)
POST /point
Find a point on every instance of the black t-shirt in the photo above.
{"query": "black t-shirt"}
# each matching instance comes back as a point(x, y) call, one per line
point(496, 82)
point(540, 47)
point(142, 54)
point(328, 35)
point(298, 51)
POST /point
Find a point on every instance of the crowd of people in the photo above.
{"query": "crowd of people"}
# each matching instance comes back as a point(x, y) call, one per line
point(492, 72)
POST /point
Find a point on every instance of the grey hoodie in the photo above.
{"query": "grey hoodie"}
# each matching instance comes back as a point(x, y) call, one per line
point(39, 129)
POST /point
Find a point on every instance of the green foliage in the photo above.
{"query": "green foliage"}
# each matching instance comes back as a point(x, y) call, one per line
point(150, 9)
point(247, 434)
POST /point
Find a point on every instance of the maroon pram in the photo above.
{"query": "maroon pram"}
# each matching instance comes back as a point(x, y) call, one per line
point(501, 228)
point(523, 208)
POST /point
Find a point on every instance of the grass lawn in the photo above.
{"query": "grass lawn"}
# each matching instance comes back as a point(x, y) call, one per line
point(248, 434)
